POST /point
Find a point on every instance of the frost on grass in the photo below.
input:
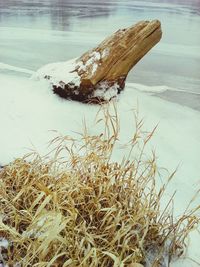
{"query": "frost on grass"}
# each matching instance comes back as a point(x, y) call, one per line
point(87, 210)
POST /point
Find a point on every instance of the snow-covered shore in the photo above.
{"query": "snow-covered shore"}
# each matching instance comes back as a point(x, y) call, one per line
point(31, 113)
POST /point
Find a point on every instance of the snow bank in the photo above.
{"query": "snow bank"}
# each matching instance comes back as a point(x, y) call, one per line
point(59, 73)
point(67, 71)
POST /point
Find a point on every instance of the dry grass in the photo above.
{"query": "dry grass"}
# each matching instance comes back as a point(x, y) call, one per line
point(88, 210)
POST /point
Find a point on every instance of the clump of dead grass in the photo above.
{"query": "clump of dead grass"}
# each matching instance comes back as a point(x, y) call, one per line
point(88, 210)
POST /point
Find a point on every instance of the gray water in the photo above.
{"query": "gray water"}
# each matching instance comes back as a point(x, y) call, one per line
point(34, 33)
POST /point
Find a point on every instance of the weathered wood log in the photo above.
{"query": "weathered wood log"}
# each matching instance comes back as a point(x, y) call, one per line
point(100, 73)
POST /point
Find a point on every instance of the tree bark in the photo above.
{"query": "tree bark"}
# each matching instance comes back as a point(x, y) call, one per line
point(100, 74)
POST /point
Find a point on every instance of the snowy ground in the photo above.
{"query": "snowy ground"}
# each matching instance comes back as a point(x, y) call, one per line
point(29, 111)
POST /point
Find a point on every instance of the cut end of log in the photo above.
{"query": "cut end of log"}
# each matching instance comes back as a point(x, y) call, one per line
point(100, 74)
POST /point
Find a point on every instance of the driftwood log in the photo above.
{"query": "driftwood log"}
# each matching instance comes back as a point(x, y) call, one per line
point(100, 73)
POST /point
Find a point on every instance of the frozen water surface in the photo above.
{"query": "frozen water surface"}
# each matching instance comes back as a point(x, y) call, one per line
point(34, 33)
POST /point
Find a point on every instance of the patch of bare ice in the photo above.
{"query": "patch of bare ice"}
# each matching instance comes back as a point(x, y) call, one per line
point(4, 66)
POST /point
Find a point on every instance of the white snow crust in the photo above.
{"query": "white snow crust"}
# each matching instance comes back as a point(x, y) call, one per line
point(59, 73)
point(93, 61)
point(62, 73)
point(105, 92)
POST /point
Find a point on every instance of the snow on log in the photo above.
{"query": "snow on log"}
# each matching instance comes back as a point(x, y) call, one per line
point(100, 74)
